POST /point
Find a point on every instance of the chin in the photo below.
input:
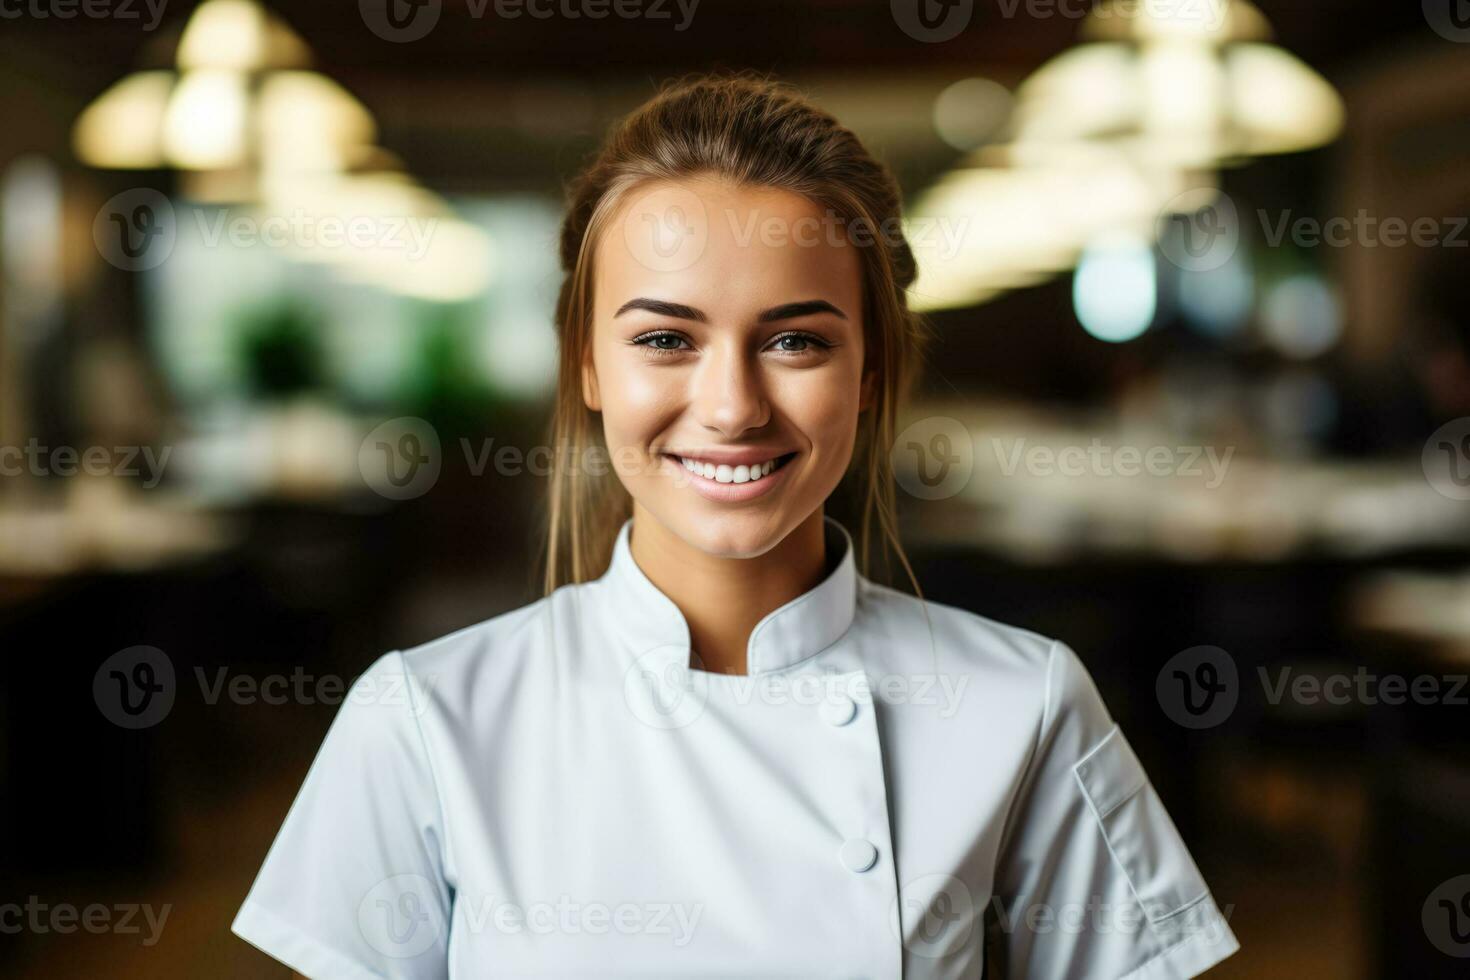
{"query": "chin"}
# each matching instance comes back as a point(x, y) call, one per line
point(728, 533)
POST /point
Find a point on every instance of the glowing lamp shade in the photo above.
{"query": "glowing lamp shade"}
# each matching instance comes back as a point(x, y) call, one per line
point(307, 122)
point(1188, 85)
point(205, 116)
point(1115, 289)
point(239, 35)
point(123, 128)
point(1280, 105)
point(1210, 21)
point(982, 231)
point(1084, 93)
point(204, 126)
point(1102, 140)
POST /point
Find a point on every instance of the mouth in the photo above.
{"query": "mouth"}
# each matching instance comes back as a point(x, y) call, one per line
point(745, 472)
point(731, 482)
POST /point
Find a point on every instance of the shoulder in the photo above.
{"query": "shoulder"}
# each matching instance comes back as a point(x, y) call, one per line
point(483, 662)
point(977, 641)
point(479, 645)
point(465, 649)
point(1042, 669)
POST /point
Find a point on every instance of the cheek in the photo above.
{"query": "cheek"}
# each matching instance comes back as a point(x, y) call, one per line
point(634, 403)
point(822, 409)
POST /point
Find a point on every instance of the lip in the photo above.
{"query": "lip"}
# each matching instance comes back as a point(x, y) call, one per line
point(729, 493)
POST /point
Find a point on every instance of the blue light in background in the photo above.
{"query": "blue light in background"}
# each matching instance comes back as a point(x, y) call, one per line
point(1115, 290)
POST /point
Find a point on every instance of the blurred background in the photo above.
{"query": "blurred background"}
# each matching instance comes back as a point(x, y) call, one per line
point(276, 285)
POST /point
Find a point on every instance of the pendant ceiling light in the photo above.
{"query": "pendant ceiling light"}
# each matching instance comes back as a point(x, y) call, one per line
point(1105, 137)
point(1187, 85)
point(242, 121)
point(239, 102)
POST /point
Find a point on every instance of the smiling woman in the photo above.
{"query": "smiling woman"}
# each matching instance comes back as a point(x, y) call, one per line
point(674, 763)
point(726, 230)
point(699, 372)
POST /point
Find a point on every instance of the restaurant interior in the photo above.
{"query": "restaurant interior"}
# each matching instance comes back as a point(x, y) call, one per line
point(1198, 403)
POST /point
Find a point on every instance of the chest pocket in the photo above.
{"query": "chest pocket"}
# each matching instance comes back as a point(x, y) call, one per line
point(1139, 832)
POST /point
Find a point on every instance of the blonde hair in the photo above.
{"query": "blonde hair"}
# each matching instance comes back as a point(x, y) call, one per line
point(750, 131)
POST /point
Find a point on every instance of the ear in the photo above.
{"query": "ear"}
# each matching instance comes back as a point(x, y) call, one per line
point(591, 396)
point(869, 393)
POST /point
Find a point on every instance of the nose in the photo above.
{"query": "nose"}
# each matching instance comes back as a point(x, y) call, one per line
point(729, 394)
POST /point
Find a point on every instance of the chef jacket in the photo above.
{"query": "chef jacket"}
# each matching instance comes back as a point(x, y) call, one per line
point(894, 788)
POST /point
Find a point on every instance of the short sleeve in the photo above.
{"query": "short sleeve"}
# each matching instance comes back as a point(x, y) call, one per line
point(1094, 880)
point(353, 886)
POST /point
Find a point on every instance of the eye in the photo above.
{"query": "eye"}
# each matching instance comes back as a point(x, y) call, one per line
point(799, 342)
point(661, 342)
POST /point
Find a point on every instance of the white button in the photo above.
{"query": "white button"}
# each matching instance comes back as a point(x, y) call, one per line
point(858, 854)
point(838, 709)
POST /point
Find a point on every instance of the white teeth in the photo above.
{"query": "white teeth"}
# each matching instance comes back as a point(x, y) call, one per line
point(728, 474)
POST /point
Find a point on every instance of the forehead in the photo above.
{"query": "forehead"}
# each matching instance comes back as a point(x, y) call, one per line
point(727, 249)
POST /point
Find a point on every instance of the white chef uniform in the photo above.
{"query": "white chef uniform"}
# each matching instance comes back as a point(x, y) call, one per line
point(553, 793)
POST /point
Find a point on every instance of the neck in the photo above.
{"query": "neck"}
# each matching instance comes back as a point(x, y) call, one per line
point(722, 599)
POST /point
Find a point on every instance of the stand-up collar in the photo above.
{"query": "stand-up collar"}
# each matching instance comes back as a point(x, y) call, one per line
point(800, 629)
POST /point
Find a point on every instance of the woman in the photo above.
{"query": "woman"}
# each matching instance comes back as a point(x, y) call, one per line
point(714, 748)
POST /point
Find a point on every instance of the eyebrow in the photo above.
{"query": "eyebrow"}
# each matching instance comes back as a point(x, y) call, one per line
point(786, 311)
point(790, 311)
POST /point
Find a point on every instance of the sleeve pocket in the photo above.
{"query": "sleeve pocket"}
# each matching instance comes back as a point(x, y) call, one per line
point(1139, 832)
